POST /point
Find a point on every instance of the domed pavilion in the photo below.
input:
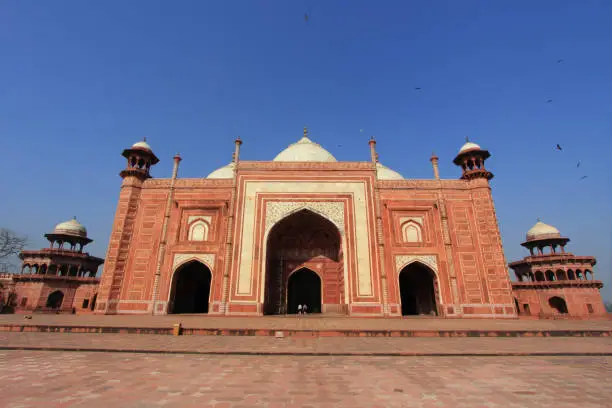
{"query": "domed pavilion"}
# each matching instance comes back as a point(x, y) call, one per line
point(60, 278)
point(553, 282)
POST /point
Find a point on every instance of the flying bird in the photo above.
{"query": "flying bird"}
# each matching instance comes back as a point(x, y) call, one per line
point(583, 177)
point(559, 61)
point(559, 147)
point(549, 101)
point(306, 17)
point(578, 164)
point(417, 89)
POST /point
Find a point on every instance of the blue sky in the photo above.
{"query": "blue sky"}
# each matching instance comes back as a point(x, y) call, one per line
point(80, 81)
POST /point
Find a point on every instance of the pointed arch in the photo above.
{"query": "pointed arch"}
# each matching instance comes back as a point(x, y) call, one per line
point(276, 212)
point(299, 237)
point(412, 231)
point(304, 287)
point(199, 230)
point(190, 288)
point(418, 287)
point(558, 304)
point(55, 299)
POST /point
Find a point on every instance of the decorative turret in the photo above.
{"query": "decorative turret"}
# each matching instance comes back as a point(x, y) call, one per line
point(471, 158)
point(140, 158)
point(542, 236)
point(69, 232)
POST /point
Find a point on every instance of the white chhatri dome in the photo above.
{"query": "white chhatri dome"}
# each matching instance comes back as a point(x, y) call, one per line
point(385, 173)
point(225, 172)
point(541, 230)
point(71, 227)
point(469, 146)
point(142, 145)
point(305, 150)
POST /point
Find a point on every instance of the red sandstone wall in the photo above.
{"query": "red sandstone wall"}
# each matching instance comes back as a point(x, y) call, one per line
point(474, 250)
point(471, 274)
point(31, 291)
point(137, 233)
point(576, 299)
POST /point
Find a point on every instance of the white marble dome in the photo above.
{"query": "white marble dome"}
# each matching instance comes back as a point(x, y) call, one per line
point(142, 145)
point(305, 150)
point(541, 230)
point(71, 227)
point(225, 172)
point(385, 173)
point(469, 146)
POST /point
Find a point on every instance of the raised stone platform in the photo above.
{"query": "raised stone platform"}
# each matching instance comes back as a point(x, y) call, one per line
point(307, 326)
point(320, 346)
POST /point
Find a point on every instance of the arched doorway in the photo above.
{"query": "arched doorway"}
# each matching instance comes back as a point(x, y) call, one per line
point(558, 304)
point(303, 237)
point(55, 299)
point(417, 290)
point(304, 288)
point(190, 288)
point(92, 305)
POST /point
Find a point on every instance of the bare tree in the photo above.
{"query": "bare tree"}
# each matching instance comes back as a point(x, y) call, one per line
point(10, 243)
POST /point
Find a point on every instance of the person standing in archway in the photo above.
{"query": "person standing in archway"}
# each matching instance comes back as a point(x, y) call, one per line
point(299, 311)
point(304, 309)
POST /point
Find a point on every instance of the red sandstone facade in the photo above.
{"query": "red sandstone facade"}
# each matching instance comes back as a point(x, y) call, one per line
point(344, 238)
point(351, 238)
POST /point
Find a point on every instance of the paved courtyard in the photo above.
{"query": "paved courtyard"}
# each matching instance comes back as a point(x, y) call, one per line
point(44, 378)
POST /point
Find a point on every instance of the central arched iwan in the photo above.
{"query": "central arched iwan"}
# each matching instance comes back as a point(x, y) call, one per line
point(304, 239)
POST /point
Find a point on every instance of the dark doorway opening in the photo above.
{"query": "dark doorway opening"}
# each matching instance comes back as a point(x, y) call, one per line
point(516, 306)
point(558, 304)
point(191, 288)
point(293, 241)
point(55, 299)
point(304, 288)
point(417, 290)
point(93, 302)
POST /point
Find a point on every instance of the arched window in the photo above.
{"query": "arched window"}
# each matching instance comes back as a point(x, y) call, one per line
point(550, 276)
point(539, 276)
point(198, 231)
point(411, 232)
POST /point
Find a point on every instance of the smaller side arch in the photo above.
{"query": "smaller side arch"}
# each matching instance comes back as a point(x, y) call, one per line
point(190, 288)
point(558, 305)
point(418, 287)
point(55, 299)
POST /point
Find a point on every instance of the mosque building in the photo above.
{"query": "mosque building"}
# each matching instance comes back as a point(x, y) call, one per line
point(344, 238)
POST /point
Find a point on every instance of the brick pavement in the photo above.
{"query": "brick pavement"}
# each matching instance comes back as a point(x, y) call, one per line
point(320, 345)
point(61, 379)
